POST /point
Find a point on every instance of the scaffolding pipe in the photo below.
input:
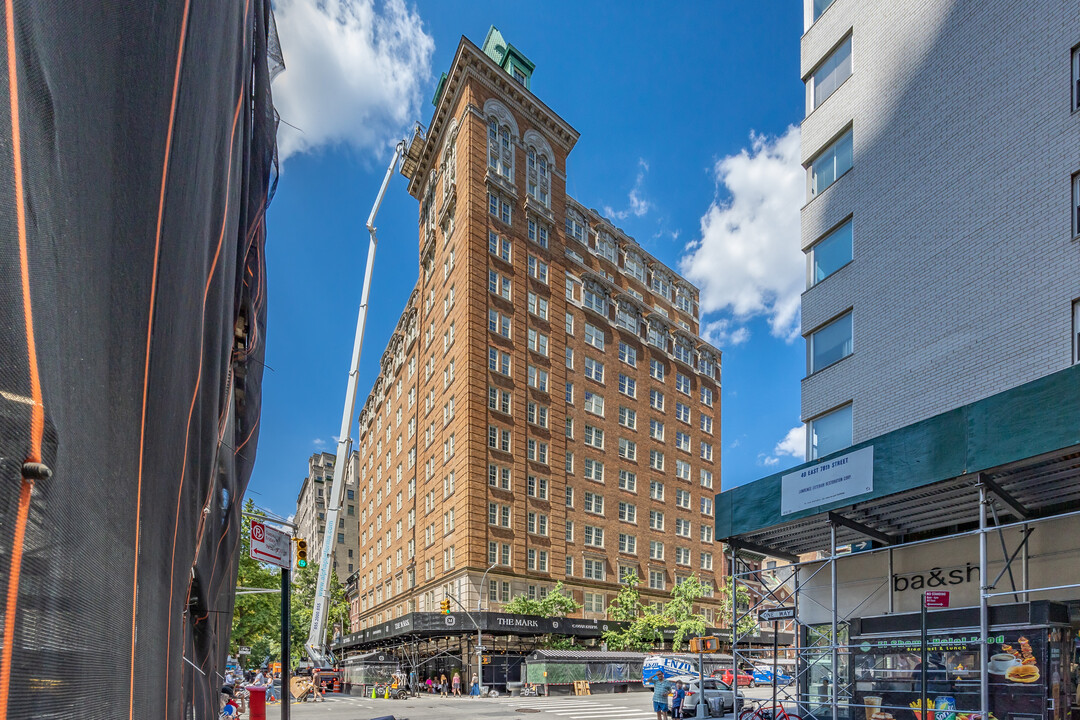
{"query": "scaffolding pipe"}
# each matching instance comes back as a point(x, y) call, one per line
point(835, 639)
point(984, 611)
point(734, 637)
point(1024, 577)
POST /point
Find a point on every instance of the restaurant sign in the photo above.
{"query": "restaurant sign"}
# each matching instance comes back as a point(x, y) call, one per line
point(828, 481)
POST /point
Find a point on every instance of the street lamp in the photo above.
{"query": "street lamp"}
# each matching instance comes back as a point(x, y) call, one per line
point(480, 598)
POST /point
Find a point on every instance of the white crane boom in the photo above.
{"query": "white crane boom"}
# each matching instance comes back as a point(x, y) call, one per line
point(315, 646)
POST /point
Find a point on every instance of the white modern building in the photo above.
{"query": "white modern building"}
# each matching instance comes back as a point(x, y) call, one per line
point(942, 150)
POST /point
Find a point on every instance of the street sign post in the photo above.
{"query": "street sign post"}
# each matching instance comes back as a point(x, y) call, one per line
point(937, 598)
point(270, 545)
point(777, 613)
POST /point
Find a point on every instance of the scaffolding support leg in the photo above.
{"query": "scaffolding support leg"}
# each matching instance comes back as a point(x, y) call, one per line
point(835, 640)
point(984, 614)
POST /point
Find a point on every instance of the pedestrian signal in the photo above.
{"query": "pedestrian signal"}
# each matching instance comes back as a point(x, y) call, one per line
point(445, 606)
point(708, 644)
point(301, 553)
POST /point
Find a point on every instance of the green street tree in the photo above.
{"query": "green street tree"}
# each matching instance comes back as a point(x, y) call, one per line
point(680, 611)
point(303, 602)
point(747, 624)
point(557, 603)
point(645, 626)
point(256, 621)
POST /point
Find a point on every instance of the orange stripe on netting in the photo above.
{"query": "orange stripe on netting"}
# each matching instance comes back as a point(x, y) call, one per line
point(37, 412)
point(198, 380)
point(146, 369)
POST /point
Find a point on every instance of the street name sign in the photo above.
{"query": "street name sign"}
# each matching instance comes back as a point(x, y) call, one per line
point(270, 545)
point(243, 650)
point(774, 614)
point(937, 598)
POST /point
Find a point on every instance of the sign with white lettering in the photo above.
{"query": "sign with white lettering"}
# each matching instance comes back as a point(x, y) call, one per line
point(936, 598)
point(779, 613)
point(827, 482)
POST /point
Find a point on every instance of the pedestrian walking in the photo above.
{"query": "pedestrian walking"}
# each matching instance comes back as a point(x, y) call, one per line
point(661, 687)
point(474, 688)
point(271, 693)
point(677, 699)
point(316, 685)
point(457, 684)
point(444, 685)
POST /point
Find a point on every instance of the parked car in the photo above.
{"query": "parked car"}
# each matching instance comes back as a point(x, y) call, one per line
point(744, 678)
point(763, 675)
point(718, 697)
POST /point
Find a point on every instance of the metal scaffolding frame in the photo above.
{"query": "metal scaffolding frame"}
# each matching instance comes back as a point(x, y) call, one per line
point(993, 501)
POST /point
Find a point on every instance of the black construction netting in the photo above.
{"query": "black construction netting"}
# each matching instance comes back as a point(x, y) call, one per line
point(137, 157)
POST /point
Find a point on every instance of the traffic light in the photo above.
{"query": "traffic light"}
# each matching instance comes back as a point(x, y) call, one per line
point(301, 552)
point(445, 606)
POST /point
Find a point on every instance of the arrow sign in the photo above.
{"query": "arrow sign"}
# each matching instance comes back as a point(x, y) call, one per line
point(774, 614)
point(270, 545)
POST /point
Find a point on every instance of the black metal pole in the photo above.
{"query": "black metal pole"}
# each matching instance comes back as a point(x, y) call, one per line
point(286, 652)
point(775, 650)
point(924, 657)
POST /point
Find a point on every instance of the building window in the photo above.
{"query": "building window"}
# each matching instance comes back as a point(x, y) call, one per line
point(538, 306)
point(538, 269)
point(594, 602)
point(830, 253)
point(594, 437)
point(498, 285)
point(594, 569)
point(1076, 331)
point(538, 175)
point(628, 512)
point(627, 449)
point(706, 478)
point(829, 433)
point(829, 75)
point(656, 430)
point(575, 225)
point(627, 385)
point(538, 487)
point(656, 520)
point(500, 149)
point(593, 470)
point(628, 417)
point(537, 451)
point(594, 369)
point(627, 354)
point(656, 550)
point(656, 400)
point(1076, 203)
point(656, 580)
point(814, 8)
point(682, 383)
point(627, 544)
point(1076, 78)
point(538, 342)
point(499, 323)
point(831, 343)
point(656, 460)
point(627, 481)
point(830, 164)
point(594, 536)
point(594, 336)
point(593, 403)
point(538, 379)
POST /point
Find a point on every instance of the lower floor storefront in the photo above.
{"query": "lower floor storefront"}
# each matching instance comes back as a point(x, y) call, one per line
point(934, 572)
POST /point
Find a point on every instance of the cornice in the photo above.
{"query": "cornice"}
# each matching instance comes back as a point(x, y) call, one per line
point(471, 63)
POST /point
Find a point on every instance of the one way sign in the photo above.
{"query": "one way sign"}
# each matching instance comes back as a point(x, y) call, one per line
point(269, 545)
point(776, 614)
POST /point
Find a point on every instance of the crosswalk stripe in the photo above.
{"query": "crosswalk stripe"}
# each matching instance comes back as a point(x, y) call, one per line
point(595, 708)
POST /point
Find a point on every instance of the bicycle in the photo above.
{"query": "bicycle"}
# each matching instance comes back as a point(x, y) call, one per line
point(758, 710)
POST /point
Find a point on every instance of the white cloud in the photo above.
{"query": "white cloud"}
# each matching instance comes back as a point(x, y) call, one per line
point(748, 261)
point(724, 333)
point(793, 445)
point(637, 204)
point(319, 443)
point(353, 73)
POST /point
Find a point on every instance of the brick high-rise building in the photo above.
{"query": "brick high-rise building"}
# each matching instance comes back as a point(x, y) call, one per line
point(311, 510)
point(546, 408)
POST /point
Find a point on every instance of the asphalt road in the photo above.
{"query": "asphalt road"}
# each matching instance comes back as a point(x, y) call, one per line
point(628, 706)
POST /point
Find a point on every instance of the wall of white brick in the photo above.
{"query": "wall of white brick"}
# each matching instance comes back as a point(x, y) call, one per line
point(964, 266)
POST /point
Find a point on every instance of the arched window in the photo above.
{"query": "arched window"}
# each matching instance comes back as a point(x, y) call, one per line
point(539, 167)
point(502, 129)
point(448, 166)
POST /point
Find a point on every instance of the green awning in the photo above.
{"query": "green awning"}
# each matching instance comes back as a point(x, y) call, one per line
point(1026, 437)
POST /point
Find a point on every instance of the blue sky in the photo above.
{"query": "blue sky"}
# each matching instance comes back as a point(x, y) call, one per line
point(688, 117)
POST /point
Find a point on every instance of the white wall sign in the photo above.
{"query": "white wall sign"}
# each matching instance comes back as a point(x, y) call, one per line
point(826, 482)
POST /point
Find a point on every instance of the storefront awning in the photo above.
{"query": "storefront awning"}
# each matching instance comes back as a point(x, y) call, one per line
point(921, 480)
